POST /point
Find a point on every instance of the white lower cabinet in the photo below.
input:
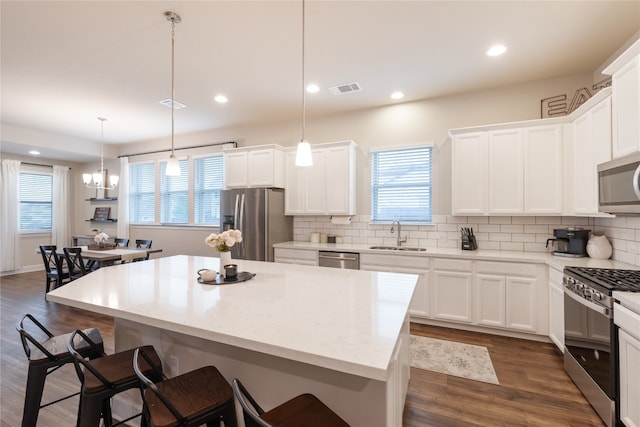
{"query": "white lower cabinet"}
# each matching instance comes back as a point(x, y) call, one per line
point(629, 349)
point(556, 308)
point(452, 290)
point(506, 295)
point(296, 256)
point(399, 264)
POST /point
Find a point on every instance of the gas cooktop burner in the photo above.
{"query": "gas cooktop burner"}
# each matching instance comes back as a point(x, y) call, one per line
point(612, 279)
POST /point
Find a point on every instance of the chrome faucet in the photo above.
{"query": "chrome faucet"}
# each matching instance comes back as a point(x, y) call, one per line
point(399, 240)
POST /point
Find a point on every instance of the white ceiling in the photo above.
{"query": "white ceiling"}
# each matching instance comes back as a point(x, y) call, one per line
point(66, 63)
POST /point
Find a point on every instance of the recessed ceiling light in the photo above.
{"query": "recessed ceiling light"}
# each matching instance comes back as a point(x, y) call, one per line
point(313, 88)
point(34, 152)
point(497, 50)
point(397, 95)
point(221, 99)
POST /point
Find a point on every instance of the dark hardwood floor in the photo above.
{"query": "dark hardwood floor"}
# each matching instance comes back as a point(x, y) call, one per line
point(534, 389)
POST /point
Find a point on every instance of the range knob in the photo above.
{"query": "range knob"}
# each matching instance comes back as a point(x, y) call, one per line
point(597, 295)
point(588, 293)
point(580, 286)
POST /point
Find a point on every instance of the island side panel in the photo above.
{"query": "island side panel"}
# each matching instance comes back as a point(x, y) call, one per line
point(273, 380)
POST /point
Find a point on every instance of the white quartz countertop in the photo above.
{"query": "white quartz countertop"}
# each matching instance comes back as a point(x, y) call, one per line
point(557, 262)
point(345, 320)
point(630, 300)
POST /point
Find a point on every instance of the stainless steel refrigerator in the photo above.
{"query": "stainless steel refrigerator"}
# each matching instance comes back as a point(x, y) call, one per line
point(259, 214)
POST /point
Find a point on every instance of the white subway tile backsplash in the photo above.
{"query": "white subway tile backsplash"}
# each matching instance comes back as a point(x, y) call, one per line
point(492, 233)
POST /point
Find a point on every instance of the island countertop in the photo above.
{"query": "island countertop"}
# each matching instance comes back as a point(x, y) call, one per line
point(344, 320)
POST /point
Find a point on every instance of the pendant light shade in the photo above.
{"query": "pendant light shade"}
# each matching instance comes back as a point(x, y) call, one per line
point(173, 167)
point(96, 179)
point(303, 153)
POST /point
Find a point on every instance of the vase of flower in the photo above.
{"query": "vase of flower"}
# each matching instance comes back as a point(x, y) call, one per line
point(223, 243)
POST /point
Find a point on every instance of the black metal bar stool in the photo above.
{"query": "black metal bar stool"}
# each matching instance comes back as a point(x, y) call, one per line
point(303, 410)
point(105, 377)
point(197, 397)
point(48, 354)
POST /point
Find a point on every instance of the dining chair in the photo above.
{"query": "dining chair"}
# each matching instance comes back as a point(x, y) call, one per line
point(303, 410)
point(54, 266)
point(143, 244)
point(121, 242)
point(46, 354)
point(201, 396)
point(75, 262)
point(106, 376)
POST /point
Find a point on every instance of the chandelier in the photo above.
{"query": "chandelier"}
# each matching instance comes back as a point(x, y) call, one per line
point(97, 179)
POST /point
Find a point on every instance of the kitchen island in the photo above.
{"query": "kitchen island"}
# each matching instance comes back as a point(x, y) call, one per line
point(340, 334)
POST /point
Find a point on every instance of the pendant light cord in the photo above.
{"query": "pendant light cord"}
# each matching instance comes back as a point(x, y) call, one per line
point(304, 98)
point(173, 91)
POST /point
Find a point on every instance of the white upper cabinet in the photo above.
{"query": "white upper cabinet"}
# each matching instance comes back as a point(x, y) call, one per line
point(592, 145)
point(508, 169)
point(326, 188)
point(625, 72)
point(257, 166)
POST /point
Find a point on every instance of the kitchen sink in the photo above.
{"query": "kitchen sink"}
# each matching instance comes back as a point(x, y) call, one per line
point(398, 248)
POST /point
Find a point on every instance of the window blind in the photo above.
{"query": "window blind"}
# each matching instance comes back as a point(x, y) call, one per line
point(401, 187)
point(208, 177)
point(35, 201)
point(174, 195)
point(142, 193)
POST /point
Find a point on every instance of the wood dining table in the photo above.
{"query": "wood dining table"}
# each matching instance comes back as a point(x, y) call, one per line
point(108, 257)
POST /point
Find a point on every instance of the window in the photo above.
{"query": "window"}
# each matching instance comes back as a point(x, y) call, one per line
point(191, 198)
point(401, 185)
point(174, 195)
point(142, 193)
point(35, 201)
point(208, 178)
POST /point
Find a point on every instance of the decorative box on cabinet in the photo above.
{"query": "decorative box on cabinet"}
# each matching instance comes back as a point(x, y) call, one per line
point(326, 188)
point(625, 107)
point(256, 166)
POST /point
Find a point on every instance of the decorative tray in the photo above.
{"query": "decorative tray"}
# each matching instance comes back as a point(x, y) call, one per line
point(242, 276)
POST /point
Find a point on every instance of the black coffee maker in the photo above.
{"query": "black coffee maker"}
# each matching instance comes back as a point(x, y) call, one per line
point(569, 242)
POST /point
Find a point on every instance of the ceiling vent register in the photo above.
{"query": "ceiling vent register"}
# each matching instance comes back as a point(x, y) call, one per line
point(346, 88)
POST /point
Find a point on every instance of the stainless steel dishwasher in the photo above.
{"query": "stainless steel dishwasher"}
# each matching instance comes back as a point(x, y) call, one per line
point(348, 260)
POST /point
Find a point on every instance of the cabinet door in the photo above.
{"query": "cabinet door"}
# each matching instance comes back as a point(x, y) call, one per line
point(601, 134)
point(556, 309)
point(543, 170)
point(340, 181)
point(626, 109)
point(584, 169)
point(490, 300)
point(235, 170)
point(261, 168)
point(505, 186)
point(629, 349)
point(469, 180)
point(314, 193)
point(521, 303)
point(452, 296)
point(295, 183)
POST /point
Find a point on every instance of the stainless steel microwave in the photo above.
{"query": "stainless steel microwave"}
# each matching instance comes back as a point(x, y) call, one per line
point(619, 185)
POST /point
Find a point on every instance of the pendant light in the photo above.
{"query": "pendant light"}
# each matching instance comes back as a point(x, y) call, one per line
point(173, 167)
point(96, 180)
point(303, 153)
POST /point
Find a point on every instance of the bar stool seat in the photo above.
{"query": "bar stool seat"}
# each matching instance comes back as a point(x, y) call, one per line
point(105, 377)
point(191, 399)
point(303, 410)
point(47, 354)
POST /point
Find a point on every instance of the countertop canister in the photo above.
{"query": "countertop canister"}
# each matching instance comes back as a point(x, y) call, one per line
point(598, 247)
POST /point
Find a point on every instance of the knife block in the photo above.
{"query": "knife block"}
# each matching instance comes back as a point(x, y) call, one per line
point(469, 243)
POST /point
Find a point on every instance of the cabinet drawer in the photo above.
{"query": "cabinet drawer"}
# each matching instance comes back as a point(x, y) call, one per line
point(452, 264)
point(385, 262)
point(506, 268)
point(300, 254)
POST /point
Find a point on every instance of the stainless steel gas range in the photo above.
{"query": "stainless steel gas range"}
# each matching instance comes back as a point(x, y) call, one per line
point(591, 337)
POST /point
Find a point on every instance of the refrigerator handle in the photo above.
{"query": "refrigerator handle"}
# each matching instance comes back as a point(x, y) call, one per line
point(241, 223)
point(235, 213)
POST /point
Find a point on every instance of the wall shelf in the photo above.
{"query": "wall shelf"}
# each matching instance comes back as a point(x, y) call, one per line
point(105, 199)
point(102, 220)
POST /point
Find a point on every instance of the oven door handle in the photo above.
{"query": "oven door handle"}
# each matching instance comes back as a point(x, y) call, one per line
point(592, 305)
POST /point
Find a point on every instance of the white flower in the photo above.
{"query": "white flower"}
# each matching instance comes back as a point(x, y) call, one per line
point(225, 240)
point(100, 237)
